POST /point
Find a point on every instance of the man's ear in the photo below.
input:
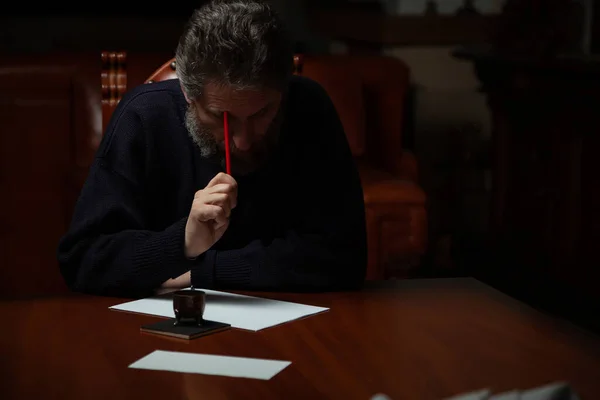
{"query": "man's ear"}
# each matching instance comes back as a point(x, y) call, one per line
point(185, 94)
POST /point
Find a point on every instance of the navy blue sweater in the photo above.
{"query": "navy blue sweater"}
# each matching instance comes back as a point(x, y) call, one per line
point(299, 224)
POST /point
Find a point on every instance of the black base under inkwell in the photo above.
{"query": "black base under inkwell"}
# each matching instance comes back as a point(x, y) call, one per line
point(188, 323)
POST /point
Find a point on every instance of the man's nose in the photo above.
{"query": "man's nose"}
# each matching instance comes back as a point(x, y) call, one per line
point(242, 137)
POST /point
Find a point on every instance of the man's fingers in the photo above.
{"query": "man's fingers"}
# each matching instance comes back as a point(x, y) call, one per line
point(221, 183)
point(225, 179)
point(209, 212)
point(222, 177)
point(219, 199)
point(215, 198)
point(229, 189)
point(215, 215)
point(221, 188)
point(220, 221)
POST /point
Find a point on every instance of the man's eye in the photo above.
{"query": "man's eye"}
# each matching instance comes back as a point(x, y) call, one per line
point(261, 113)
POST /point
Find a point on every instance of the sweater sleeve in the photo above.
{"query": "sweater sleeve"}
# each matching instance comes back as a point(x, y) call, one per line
point(108, 248)
point(324, 247)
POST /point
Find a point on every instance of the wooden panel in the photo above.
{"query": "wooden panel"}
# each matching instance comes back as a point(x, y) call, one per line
point(378, 28)
point(50, 108)
point(63, 33)
point(50, 113)
point(34, 155)
point(545, 194)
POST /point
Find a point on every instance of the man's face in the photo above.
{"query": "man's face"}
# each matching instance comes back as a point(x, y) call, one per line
point(254, 122)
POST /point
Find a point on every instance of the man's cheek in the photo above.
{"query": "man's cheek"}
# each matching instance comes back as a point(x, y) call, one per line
point(263, 125)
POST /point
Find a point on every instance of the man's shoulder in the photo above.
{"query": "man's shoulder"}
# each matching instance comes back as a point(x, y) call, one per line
point(144, 113)
point(150, 104)
point(307, 100)
point(303, 88)
point(167, 93)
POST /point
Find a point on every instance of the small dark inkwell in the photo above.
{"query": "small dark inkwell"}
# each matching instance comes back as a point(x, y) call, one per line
point(189, 322)
point(188, 306)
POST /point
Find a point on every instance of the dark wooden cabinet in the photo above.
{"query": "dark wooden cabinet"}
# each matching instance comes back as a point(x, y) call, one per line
point(546, 164)
point(50, 126)
point(45, 111)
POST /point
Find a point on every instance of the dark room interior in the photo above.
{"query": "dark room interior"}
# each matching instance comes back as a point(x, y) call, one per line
point(474, 128)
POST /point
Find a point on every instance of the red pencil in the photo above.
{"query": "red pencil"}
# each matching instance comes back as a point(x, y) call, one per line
point(227, 149)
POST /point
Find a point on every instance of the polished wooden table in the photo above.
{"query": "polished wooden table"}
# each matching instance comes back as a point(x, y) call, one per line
point(413, 339)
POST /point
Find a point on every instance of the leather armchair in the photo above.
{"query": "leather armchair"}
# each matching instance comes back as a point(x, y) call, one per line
point(369, 93)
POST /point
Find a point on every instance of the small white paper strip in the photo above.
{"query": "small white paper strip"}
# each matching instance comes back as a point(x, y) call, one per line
point(207, 364)
point(243, 312)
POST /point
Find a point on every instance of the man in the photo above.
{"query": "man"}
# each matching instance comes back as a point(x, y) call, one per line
point(157, 209)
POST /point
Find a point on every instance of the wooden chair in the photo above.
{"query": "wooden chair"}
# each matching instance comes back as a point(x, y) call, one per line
point(369, 93)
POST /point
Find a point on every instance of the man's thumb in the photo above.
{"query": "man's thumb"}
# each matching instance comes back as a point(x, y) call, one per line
point(219, 178)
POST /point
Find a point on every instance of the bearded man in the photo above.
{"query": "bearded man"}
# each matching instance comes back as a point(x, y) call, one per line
point(158, 209)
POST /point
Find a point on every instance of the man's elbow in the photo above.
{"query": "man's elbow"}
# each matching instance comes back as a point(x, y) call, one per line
point(80, 278)
point(80, 282)
point(95, 286)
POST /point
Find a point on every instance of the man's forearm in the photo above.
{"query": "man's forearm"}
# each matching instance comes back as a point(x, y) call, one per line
point(133, 262)
point(298, 263)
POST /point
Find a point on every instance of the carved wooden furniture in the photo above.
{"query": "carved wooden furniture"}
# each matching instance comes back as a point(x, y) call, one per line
point(368, 93)
point(113, 82)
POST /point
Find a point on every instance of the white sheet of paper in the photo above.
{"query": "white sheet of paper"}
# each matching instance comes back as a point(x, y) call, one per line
point(208, 364)
point(243, 312)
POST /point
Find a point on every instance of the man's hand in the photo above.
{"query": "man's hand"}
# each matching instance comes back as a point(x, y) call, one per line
point(180, 282)
point(209, 217)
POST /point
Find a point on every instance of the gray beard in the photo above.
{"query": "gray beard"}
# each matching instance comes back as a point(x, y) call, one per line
point(209, 147)
point(200, 135)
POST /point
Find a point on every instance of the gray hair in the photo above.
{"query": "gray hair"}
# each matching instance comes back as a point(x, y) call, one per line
point(234, 42)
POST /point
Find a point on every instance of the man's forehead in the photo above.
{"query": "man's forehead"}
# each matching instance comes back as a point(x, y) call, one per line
point(225, 97)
